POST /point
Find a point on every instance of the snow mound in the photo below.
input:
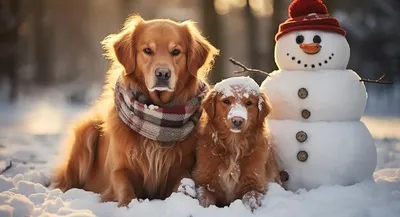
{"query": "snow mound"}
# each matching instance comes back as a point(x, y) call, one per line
point(228, 86)
point(26, 198)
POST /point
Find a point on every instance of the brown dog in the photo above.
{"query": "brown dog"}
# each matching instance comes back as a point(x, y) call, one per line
point(234, 158)
point(165, 62)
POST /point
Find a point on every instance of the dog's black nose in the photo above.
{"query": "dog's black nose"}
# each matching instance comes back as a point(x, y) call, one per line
point(237, 121)
point(163, 73)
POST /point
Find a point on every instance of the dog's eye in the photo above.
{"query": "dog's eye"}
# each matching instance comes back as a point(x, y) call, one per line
point(175, 52)
point(249, 103)
point(226, 101)
point(148, 51)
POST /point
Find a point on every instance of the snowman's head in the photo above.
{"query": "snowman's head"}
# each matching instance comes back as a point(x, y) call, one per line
point(312, 50)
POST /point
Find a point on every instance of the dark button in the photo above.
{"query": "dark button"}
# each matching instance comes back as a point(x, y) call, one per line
point(301, 136)
point(303, 93)
point(305, 114)
point(284, 176)
point(302, 156)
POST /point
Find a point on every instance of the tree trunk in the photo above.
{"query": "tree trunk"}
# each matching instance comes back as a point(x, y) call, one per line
point(276, 19)
point(252, 41)
point(251, 25)
point(9, 24)
point(43, 76)
point(212, 28)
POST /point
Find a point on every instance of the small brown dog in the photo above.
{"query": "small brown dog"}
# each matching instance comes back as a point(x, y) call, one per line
point(139, 140)
point(234, 157)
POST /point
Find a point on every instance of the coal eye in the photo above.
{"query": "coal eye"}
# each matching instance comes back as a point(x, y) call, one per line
point(299, 39)
point(148, 51)
point(176, 52)
point(226, 102)
point(317, 39)
point(249, 103)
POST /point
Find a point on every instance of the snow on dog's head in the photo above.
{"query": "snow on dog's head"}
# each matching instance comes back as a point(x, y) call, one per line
point(236, 104)
point(237, 86)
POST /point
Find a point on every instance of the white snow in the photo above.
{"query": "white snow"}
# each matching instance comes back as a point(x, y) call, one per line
point(332, 43)
point(153, 107)
point(260, 101)
point(187, 187)
point(214, 136)
point(23, 192)
point(333, 95)
point(237, 110)
point(338, 152)
point(230, 86)
point(363, 199)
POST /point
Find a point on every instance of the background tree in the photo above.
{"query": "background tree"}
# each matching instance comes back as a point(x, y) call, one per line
point(212, 27)
point(279, 15)
point(10, 22)
point(43, 43)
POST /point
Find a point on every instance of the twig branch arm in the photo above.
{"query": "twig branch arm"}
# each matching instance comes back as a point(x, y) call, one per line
point(378, 81)
point(245, 68)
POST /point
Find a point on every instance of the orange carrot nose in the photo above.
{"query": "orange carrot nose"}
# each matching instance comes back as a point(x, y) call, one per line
point(311, 48)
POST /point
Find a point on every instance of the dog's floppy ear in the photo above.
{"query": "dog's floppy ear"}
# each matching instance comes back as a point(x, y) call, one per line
point(121, 47)
point(208, 104)
point(264, 107)
point(201, 54)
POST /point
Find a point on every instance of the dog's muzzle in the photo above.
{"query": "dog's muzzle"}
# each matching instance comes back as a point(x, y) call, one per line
point(162, 82)
point(237, 123)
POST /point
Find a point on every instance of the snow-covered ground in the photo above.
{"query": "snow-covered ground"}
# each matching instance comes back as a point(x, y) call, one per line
point(31, 132)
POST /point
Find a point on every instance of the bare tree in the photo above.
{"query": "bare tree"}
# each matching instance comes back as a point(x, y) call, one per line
point(277, 18)
point(43, 44)
point(10, 22)
point(212, 28)
point(252, 40)
point(251, 25)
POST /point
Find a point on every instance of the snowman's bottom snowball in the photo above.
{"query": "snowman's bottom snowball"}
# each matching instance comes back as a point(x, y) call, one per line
point(339, 153)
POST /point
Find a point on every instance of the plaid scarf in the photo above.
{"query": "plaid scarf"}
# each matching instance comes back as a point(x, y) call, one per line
point(168, 124)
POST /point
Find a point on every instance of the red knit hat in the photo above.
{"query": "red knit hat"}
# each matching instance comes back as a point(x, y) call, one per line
point(309, 15)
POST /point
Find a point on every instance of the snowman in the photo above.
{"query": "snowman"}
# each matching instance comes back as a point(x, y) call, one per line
point(317, 103)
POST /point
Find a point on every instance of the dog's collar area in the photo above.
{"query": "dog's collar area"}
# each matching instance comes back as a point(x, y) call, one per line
point(169, 123)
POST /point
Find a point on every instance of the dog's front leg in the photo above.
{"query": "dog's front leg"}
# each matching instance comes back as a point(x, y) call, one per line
point(120, 189)
point(253, 181)
point(252, 192)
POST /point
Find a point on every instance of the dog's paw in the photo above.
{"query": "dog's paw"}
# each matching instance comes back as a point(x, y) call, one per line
point(205, 198)
point(252, 200)
point(124, 202)
point(187, 187)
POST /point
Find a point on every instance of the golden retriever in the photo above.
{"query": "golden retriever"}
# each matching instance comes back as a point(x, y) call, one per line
point(234, 158)
point(166, 61)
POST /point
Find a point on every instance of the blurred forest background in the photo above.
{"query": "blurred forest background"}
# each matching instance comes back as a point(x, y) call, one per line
point(54, 45)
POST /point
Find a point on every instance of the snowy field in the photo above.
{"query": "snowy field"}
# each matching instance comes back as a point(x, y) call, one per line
point(30, 133)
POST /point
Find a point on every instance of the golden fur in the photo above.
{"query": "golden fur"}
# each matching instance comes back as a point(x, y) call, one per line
point(103, 154)
point(232, 164)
